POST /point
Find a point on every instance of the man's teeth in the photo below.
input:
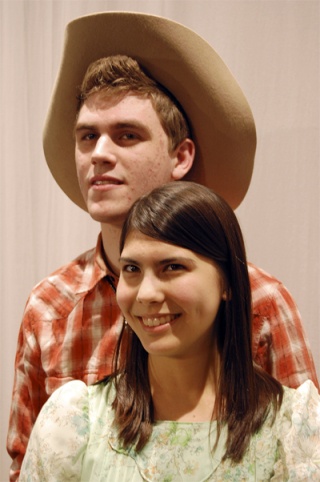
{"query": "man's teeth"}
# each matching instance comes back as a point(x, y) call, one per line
point(156, 321)
point(99, 183)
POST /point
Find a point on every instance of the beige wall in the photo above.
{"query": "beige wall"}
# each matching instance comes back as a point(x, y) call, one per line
point(272, 47)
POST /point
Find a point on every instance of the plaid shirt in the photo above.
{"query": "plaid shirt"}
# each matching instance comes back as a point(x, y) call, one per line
point(71, 324)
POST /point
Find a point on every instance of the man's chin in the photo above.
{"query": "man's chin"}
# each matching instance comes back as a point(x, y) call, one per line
point(106, 217)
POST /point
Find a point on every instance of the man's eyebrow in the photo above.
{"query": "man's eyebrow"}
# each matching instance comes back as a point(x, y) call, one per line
point(83, 125)
point(127, 124)
point(79, 127)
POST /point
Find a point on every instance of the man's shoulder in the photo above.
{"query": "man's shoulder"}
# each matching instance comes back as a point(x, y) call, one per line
point(78, 263)
point(268, 293)
point(64, 283)
point(70, 269)
point(261, 279)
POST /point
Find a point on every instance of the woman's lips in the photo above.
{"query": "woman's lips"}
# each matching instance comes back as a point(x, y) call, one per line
point(158, 320)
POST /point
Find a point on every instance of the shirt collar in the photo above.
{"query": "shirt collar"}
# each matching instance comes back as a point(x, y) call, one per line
point(95, 268)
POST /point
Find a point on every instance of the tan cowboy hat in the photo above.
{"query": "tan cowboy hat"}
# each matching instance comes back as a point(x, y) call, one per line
point(221, 120)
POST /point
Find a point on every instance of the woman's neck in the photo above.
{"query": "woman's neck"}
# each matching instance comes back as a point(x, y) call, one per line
point(183, 390)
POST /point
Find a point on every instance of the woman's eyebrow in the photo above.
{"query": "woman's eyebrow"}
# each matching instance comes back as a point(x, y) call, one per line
point(124, 259)
point(173, 259)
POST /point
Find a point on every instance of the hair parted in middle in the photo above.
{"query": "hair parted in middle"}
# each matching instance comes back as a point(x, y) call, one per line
point(118, 75)
point(192, 216)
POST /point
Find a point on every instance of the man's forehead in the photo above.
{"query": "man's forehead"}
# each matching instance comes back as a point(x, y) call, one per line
point(127, 101)
point(107, 98)
point(126, 111)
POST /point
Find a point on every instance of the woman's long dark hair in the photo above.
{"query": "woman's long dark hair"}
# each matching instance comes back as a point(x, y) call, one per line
point(192, 216)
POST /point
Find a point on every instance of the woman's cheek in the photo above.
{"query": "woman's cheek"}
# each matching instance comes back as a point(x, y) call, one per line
point(122, 296)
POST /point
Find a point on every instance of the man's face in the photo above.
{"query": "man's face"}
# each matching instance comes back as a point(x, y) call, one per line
point(121, 152)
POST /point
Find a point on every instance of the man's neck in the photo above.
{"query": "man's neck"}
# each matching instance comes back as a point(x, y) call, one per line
point(110, 241)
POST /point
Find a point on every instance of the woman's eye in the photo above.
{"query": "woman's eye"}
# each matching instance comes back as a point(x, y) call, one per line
point(130, 268)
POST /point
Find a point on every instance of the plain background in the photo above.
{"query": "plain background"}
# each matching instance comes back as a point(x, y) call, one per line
point(272, 48)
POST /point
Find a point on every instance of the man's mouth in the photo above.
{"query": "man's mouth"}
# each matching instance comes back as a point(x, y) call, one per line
point(103, 182)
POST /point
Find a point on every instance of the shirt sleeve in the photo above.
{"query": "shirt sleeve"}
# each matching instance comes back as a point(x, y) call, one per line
point(280, 344)
point(299, 436)
point(28, 396)
point(59, 438)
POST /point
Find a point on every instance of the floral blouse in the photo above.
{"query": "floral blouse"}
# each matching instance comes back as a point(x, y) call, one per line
point(74, 440)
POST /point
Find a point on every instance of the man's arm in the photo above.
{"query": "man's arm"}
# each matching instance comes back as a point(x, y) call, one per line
point(280, 344)
point(28, 395)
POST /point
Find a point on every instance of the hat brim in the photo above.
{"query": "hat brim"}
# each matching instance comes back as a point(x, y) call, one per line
point(221, 120)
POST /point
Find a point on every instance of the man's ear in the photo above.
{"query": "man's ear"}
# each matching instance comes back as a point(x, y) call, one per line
point(184, 157)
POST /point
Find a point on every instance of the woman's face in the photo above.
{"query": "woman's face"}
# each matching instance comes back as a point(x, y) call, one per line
point(169, 296)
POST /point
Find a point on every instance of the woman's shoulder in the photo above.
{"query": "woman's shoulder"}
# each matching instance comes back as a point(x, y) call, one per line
point(104, 388)
point(75, 396)
point(300, 410)
point(100, 398)
point(77, 389)
point(298, 427)
point(72, 387)
point(304, 400)
point(70, 398)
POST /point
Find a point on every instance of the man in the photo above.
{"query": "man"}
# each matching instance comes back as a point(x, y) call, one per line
point(184, 116)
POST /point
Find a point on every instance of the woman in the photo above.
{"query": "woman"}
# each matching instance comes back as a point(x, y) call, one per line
point(185, 402)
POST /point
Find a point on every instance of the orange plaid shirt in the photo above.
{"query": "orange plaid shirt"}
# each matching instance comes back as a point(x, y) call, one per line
point(71, 325)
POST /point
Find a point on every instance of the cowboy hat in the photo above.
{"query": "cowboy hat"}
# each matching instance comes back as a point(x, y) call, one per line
point(222, 124)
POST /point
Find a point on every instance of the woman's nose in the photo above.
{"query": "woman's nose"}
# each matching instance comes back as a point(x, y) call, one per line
point(150, 291)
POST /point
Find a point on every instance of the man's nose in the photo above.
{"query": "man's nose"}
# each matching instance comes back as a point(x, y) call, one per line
point(104, 151)
point(150, 291)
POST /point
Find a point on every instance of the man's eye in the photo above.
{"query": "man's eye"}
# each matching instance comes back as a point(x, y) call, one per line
point(84, 137)
point(129, 136)
point(174, 267)
point(89, 137)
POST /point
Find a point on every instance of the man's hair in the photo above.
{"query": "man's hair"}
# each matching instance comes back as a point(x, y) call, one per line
point(192, 216)
point(121, 75)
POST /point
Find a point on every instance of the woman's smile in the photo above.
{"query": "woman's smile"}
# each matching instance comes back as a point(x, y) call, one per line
point(152, 320)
